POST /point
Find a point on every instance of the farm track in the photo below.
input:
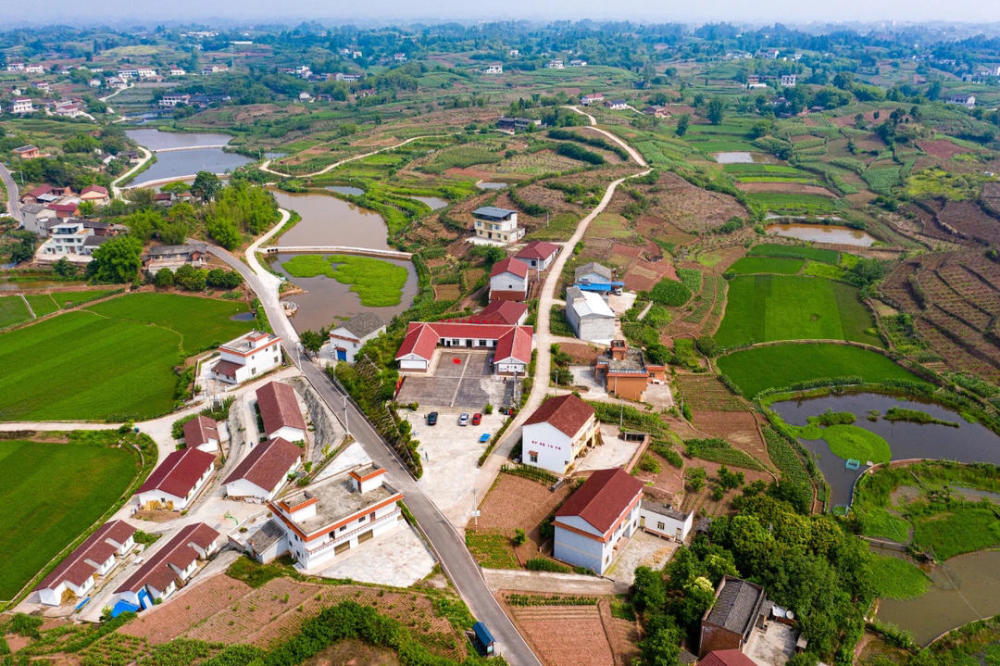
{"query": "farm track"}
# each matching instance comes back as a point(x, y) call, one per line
point(266, 165)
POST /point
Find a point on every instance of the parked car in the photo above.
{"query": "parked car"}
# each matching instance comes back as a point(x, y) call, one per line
point(432, 418)
point(477, 418)
point(463, 420)
point(485, 437)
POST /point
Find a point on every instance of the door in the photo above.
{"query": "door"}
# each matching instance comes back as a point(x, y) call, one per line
point(341, 354)
point(365, 536)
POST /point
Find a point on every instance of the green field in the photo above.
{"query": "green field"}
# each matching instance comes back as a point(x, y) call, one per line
point(777, 366)
point(377, 283)
point(67, 299)
point(849, 441)
point(896, 578)
point(753, 265)
point(37, 522)
point(786, 307)
point(789, 202)
point(42, 304)
point(12, 311)
point(112, 361)
point(796, 251)
point(964, 528)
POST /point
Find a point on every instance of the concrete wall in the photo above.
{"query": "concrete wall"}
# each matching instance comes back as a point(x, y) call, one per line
point(595, 328)
point(578, 550)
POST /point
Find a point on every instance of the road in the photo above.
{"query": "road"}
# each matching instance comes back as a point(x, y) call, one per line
point(266, 165)
point(13, 196)
point(146, 156)
point(593, 127)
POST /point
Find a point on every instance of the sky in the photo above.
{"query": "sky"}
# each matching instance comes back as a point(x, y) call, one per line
point(759, 11)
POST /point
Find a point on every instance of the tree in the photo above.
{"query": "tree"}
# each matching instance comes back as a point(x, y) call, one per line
point(716, 110)
point(206, 184)
point(24, 250)
point(224, 232)
point(117, 260)
point(87, 209)
point(164, 278)
point(190, 278)
point(312, 340)
point(63, 268)
point(683, 121)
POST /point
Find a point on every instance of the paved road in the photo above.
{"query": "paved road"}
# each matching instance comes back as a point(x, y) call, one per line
point(146, 156)
point(13, 197)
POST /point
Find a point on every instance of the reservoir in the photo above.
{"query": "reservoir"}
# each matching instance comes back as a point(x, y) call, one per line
point(822, 233)
point(327, 220)
point(178, 163)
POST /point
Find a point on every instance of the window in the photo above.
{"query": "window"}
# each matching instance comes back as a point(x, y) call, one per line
point(660, 526)
point(362, 519)
point(342, 528)
point(533, 456)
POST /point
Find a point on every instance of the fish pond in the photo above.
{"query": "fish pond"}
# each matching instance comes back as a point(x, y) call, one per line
point(822, 233)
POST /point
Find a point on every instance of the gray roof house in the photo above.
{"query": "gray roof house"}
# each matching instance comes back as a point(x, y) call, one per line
point(348, 338)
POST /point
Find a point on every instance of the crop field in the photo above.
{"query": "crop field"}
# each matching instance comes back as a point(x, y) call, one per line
point(67, 299)
point(41, 304)
point(12, 311)
point(794, 203)
point(785, 307)
point(37, 523)
point(779, 265)
point(114, 360)
point(896, 578)
point(777, 366)
point(797, 251)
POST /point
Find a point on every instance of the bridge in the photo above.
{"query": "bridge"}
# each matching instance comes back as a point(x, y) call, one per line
point(176, 149)
point(337, 249)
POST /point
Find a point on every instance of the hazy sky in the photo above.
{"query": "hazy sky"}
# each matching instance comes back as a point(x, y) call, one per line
point(765, 11)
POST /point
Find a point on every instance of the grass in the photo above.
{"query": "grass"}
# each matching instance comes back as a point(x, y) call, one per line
point(12, 311)
point(377, 283)
point(786, 307)
point(720, 451)
point(896, 578)
point(788, 202)
point(42, 304)
point(797, 251)
point(36, 522)
point(67, 299)
point(778, 366)
point(491, 549)
point(254, 573)
point(691, 277)
point(879, 523)
point(963, 529)
point(111, 361)
point(786, 459)
point(849, 441)
point(610, 225)
point(817, 269)
point(778, 265)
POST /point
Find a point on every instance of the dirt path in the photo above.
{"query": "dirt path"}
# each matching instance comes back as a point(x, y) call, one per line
point(266, 165)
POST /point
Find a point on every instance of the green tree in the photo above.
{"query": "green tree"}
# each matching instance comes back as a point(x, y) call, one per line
point(312, 340)
point(682, 124)
point(64, 268)
point(224, 232)
point(205, 186)
point(117, 260)
point(716, 111)
point(164, 278)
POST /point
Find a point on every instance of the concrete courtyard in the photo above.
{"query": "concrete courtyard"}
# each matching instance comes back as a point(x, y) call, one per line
point(643, 549)
point(468, 383)
point(399, 558)
point(614, 452)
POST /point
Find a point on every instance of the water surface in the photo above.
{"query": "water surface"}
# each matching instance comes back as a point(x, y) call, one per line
point(154, 139)
point(327, 220)
point(822, 233)
point(345, 189)
point(486, 185)
point(734, 158)
point(434, 203)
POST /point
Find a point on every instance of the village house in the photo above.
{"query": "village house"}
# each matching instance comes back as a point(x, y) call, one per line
point(589, 316)
point(399, 57)
point(177, 480)
point(616, 104)
point(262, 473)
point(555, 64)
point(96, 194)
point(509, 280)
point(96, 556)
point(739, 607)
point(510, 313)
point(511, 344)
point(15, 67)
point(176, 562)
point(68, 109)
point(348, 338)
point(538, 255)
point(577, 62)
point(280, 413)
point(202, 433)
point(346, 77)
point(665, 521)
point(726, 658)
point(968, 101)
point(788, 80)
point(66, 207)
point(494, 68)
point(596, 519)
point(557, 432)
point(70, 238)
point(656, 111)
point(174, 256)
point(497, 224)
point(591, 98)
point(336, 514)
point(177, 71)
point(516, 124)
point(595, 277)
point(28, 152)
point(248, 356)
point(36, 218)
point(626, 371)
point(22, 105)
point(170, 101)
point(34, 69)
point(44, 86)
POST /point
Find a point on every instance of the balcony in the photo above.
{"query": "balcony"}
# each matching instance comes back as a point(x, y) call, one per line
point(327, 548)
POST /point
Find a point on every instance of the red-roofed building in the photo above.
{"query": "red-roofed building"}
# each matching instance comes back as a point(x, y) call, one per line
point(265, 469)
point(175, 562)
point(538, 255)
point(202, 433)
point(177, 480)
point(511, 313)
point(279, 410)
point(96, 194)
point(509, 280)
point(726, 658)
point(64, 210)
point(96, 556)
point(557, 432)
point(511, 344)
point(592, 523)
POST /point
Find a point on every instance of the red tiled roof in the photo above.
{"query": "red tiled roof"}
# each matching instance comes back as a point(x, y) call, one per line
point(179, 472)
point(63, 208)
point(567, 414)
point(497, 312)
point(509, 265)
point(267, 464)
point(502, 295)
point(537, 250)
point(39, 191)
point(199, 430)
point(602, 498)
point(226, 369)
point(726, 658)
point(422, 337)
point(515, 344)
point(278, 407)
point(74, 568)
point(95, 188)
point(178, 552)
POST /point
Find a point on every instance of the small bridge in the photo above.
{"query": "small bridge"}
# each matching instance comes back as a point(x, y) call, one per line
point(180, 148)
point(337, 249)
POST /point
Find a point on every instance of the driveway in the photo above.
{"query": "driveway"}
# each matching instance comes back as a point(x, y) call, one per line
point(459, 379)
point(642, 550)
point(399, 558)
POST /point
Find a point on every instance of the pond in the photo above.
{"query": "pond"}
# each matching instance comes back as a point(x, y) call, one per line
point(327, 220)
point(434, 203)
point(822, 233)
point(963, 589)
point(734, 158)
point(969, 442)
point(486, 185)
point(178, 163)
point(327, 300)
point(154, 139)
point(345, 189)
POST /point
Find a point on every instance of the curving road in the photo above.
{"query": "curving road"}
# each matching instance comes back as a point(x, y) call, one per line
point(266, 165)
point(13, 197)
point(593, 127)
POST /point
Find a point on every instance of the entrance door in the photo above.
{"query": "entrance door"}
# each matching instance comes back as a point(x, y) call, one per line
point(341, 354)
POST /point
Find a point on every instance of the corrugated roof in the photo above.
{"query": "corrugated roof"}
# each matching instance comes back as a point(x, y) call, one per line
point(267, 464)
point(592, 267)
point(567, 413)
point(179, 472)
point(492, 212)
point(602, 498)
point(586, 303)
point(279, 408)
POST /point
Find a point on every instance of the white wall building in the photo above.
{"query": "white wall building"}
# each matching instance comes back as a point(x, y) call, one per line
point(665, 521)
point(22, 105)
point(589, 315)
point(172, 565)
point(280, 412)
point(247, 356)
point(497, 224)
point(509, 280)
point(348, 338)
point(96, 556)
point(264, 471)
point(177, 480)
point(557, 432)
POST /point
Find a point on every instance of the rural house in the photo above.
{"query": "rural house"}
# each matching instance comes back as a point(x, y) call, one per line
point(280, 413)
point(726, 658)
point(538, 255)
point(202, 433)
point(36, 218)
point(616, 104)
point(249, 355)
point(591, 98)
point(665, 521)
point(511, 344)
point(516, 124)
point(96, 556)
point(176, 562)
point(497, 224)
point(174, 256)
point(739, 607)
point(626, 371)
point(28, 152)
point(595, 520)
point(177, 480)
point(595, 277)
point(348, 338)
point(510, 313)
point(336, 514)
point(265, 469)
point(788, 80)
point(509, 280)
point(555, 434)
point(589, 316)
point(96, 194)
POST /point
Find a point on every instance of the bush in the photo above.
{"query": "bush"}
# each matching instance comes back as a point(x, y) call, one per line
point(670, 292)
point(545, 564)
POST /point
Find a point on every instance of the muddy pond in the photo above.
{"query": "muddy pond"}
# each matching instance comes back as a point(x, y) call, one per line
point(822, 233)
point(969, 442)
